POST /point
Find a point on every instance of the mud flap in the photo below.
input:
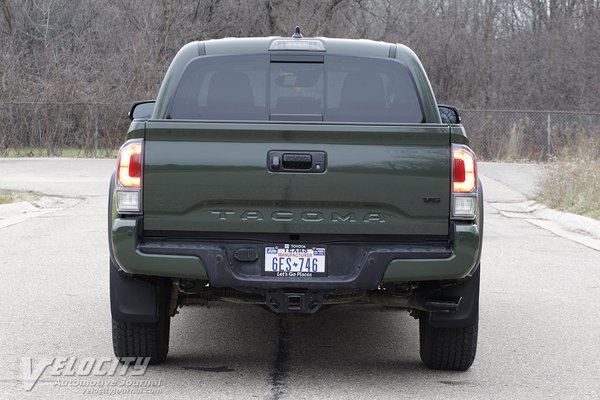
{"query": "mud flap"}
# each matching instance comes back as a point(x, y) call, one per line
point(132, 300)
point(468, 310)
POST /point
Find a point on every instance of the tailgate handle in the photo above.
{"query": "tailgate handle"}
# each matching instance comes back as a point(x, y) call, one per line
point(287, 161)
point(296, 161)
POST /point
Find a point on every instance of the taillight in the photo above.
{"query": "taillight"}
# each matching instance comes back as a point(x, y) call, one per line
point(130, 165)
point(464, 183)
point(129, 177)
point(464, 172)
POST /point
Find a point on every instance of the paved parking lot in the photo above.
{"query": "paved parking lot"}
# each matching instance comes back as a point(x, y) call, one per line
point(539, 329)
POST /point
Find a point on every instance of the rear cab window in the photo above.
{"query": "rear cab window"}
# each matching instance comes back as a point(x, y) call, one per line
point(326, 88)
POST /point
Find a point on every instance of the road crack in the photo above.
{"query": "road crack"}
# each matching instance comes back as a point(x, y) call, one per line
point(281, 367)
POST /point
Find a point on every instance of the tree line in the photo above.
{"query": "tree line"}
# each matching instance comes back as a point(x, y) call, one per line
point(479, 54)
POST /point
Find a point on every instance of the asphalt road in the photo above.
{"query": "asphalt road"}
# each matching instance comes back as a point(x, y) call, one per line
point(539, 327)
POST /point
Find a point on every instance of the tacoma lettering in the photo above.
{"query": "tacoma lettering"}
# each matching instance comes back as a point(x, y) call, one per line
point(305, 216)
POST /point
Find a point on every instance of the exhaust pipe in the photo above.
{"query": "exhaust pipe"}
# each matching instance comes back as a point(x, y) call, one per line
point(447, 304)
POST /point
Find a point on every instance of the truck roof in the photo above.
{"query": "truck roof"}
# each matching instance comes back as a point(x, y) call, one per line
point(360, 47)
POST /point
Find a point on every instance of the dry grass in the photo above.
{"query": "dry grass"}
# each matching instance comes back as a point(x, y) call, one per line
point(10, 196)
point(6, 198)
point(571, 181)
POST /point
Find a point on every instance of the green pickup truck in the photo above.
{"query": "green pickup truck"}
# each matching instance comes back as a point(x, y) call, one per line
point(296, 174)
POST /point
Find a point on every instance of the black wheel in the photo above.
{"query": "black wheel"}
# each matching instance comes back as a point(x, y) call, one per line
point(137, 339)
point(451, 349)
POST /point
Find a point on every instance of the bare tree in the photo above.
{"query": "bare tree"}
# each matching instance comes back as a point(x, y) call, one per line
point(102, 54)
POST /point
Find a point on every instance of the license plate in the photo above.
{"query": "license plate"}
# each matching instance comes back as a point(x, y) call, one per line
point(295, 261)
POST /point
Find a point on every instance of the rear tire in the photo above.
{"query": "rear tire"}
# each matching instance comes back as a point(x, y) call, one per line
point(134, 339)
point(450, 349)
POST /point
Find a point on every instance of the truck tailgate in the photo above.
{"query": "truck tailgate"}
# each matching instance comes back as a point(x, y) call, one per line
point(214, 177)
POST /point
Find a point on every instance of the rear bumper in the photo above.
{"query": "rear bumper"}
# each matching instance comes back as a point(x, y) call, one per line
point(351, 266)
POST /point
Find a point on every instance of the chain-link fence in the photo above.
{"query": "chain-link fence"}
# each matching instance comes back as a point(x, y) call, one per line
point(55, 129)
point(527, 135)
point(98, 129)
